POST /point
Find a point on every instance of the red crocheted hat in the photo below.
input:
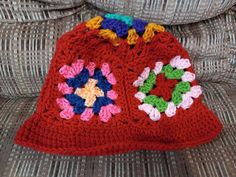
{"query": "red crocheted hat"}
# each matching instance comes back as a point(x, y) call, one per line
point(117, 84)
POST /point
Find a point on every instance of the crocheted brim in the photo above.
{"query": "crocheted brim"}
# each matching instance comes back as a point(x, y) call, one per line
point(40, 134)
point(118, 84)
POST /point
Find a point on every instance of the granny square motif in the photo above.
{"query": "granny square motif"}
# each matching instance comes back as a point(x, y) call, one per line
point(118, 84)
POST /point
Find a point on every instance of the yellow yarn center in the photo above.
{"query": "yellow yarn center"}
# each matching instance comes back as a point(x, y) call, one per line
point(89, 92)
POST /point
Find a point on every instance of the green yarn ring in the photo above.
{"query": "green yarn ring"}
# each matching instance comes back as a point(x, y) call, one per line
point(176, 97)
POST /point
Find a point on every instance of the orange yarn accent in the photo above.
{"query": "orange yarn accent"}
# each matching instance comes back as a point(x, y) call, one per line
point(132, 37)
point(110, 35)
point(156, 27)
point(94, 23)
point(150, 30)
point(90, 92)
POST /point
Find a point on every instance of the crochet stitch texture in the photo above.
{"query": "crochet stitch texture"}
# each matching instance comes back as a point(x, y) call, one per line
point(118, 84)
point(87, 91)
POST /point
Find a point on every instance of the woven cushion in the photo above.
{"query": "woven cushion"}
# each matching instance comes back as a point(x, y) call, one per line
point(34, 10)
point(25, 58)
point(166, 12)
point(64, 2)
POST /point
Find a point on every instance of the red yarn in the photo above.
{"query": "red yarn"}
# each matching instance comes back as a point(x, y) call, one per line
point(164, 89)
point(129, 130)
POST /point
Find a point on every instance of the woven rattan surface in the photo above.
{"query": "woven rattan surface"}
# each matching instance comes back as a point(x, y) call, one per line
point(214, 159)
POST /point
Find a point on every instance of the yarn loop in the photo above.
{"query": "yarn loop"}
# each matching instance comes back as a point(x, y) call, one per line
point(115, 27)
point(173, 73)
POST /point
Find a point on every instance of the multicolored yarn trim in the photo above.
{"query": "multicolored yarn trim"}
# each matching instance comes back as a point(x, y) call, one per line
point(116, 26)
point(182, 95)
point(87, 91)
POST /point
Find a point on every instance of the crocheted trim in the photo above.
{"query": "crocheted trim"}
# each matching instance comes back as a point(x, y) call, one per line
point(87, 91)
point(182, 96)
point(116, 26)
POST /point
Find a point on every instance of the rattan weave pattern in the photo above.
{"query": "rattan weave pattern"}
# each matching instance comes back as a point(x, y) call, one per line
point(213, 159)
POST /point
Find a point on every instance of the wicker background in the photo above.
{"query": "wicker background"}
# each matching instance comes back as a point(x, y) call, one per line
point(28, 33)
